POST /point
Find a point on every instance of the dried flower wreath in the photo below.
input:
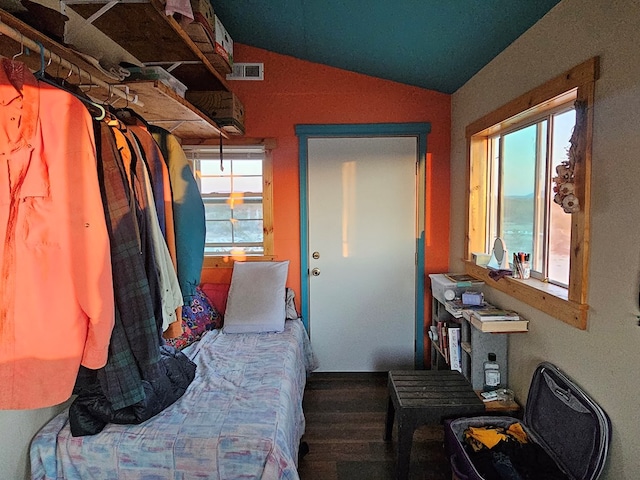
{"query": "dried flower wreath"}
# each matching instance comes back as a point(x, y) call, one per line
point(565, 190)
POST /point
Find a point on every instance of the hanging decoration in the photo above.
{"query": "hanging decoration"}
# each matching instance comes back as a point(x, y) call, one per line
point(564, 188)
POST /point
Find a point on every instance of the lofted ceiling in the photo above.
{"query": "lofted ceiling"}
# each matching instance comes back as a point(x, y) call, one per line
point(434, 44)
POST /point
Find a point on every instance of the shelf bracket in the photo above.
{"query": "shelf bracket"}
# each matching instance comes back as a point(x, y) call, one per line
point(108, 6)
point(104, 9)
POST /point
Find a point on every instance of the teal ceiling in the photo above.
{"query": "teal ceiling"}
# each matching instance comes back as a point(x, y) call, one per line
point(434, 44)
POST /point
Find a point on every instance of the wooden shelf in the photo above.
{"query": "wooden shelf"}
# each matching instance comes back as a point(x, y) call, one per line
point(165, 108)
point(143, 29)
point(548, 298)
point(500, 406)
point(159, 104)
point(9, 48)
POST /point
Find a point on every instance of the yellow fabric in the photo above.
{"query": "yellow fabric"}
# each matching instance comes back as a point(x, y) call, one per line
point(484, 436)
point(488, 437)
point(516, 431)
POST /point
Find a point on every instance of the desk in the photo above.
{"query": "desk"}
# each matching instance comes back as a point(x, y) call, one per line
point(425, 397)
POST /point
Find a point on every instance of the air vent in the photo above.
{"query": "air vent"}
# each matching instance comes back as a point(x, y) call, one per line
point(247, 71)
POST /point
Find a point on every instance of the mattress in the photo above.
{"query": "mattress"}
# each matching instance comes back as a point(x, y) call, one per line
point(241, 417)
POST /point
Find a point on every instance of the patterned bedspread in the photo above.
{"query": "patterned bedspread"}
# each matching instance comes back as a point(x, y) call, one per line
point(241, 418)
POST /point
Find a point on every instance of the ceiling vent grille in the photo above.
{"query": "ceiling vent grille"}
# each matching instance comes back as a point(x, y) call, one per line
point(247, 71)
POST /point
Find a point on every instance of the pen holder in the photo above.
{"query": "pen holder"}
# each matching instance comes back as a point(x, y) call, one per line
point(521, 270)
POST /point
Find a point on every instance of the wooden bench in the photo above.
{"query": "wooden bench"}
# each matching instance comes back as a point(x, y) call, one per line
point(425, 397)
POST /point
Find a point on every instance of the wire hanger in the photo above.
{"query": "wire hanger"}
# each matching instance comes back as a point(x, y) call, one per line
point(21, 48)
point(14, 63)
point(96, 109)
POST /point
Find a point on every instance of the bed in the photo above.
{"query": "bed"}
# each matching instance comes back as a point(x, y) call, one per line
point(241, 417)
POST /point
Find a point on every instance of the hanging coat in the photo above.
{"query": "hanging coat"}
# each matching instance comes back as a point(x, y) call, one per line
point(141, 377)
point(56, 299)
point(188, 213)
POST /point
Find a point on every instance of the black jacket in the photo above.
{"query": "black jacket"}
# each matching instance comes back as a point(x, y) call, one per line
point(91, 411)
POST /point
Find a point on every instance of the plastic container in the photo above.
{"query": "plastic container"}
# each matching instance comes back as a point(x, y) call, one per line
point(158, 73)
point(491, 373)
point(442, 287)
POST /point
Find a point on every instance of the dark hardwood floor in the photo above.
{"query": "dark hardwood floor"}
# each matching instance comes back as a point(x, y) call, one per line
point(345, 414)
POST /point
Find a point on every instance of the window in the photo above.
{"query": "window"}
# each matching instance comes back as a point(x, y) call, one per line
point(521, 210)
point(236, 193)
point(513, 155)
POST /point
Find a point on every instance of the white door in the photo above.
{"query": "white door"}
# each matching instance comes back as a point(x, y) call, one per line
point(362, 229)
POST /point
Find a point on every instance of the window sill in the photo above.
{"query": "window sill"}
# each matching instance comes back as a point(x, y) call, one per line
point(226, 261)
point(546, 297)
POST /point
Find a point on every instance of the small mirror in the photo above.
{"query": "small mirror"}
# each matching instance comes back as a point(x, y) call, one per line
point(499, 255)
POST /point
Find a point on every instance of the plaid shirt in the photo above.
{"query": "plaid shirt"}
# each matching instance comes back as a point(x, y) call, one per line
point(134, 351)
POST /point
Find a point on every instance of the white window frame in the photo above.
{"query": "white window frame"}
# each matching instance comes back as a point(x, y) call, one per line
point(543, 194)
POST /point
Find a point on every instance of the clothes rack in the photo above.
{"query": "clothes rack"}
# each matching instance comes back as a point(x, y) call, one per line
point(44, 52)
point(97, 111)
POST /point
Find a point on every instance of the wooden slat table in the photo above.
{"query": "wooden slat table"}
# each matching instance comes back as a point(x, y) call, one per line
point(425, 397)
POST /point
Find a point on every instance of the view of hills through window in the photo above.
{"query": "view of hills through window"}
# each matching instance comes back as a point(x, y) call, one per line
point(529, 160)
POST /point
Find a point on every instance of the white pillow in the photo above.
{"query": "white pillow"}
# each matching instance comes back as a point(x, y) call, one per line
point(256, 301)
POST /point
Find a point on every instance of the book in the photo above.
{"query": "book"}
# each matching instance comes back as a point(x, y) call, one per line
point(500, 326)
point(455, 361)
point(495, 313)
point(457, 304)
point(461, 279)
point(456, 307)
point(444, 340)
point(433, 333)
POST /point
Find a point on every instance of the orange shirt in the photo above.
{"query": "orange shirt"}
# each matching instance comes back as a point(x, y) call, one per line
point(56, 293)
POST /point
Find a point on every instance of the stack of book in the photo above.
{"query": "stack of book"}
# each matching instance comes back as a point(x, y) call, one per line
point(446, 336)
point(443, 338)
point(455, 307)
point(496, 320)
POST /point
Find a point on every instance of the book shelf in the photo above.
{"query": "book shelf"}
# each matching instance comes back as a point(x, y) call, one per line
point(475, 346)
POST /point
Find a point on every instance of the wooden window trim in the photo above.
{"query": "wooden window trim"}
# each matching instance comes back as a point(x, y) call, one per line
point(226, 261)
point(568, 305)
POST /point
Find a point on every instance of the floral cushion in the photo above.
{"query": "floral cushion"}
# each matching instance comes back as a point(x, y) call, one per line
point(197, 318)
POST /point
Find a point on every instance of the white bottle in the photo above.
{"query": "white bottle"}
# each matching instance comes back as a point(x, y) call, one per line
point(491, 373)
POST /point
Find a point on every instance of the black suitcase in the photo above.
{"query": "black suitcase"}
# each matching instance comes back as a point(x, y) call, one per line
point(559, 417)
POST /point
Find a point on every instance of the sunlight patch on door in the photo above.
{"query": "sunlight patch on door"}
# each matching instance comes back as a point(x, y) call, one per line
point(348, 203)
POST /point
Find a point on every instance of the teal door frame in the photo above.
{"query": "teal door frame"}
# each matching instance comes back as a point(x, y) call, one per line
point(417, 130)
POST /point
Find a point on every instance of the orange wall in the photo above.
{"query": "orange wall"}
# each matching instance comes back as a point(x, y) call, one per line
point(300, 92)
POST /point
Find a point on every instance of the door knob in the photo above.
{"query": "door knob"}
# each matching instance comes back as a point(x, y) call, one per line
point(315, 272)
